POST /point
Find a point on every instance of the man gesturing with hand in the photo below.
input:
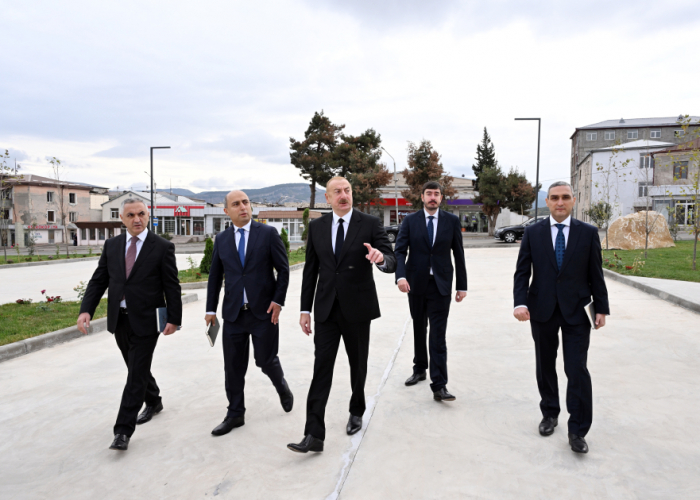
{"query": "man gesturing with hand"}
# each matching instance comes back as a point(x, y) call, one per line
point(338, 284)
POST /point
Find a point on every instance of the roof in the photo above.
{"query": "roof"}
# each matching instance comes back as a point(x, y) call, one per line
point(640, 144)
point(686, 146)
point(159, 200)
point(287, 214)
point(674, 121)
point(38, 180)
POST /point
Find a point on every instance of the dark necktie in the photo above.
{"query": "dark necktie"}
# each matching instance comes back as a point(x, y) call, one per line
point(241, 255)
point(560, 245)
point(131, 256)
point(339, 238)
point(431, 229)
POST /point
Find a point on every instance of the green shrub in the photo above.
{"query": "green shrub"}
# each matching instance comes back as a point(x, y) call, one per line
point(205, 265)
point(285, 239)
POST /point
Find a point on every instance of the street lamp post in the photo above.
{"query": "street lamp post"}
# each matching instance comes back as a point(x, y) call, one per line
point(537, 178)
point(396, 189)
point(150, 219)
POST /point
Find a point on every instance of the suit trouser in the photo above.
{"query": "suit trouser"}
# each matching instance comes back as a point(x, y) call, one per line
point(236, 342)
point(434, 308)
point(326, 341)
point(137, 352)
point(579, 392)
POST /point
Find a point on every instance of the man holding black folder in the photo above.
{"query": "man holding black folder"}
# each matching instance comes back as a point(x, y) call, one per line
point(247, 253)
point(139, 269)
point(563, 255)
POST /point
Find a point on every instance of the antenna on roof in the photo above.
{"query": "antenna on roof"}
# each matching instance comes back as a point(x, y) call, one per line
point(622, 120)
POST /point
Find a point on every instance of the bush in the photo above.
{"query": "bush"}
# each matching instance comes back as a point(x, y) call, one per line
point(305, 220)
point(205, 265)
point(285, 239)
point(167, 236)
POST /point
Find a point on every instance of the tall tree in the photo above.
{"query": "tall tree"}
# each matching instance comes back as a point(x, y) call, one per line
point(499, 191)
point(57, 169)
point(357, 158)
point(7, 176)
point(519, 193)
point(314, 155)
point(424, 165)
point(485, 157)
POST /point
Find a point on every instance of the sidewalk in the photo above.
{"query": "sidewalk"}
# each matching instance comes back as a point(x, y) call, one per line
point(682, 293)
point(59, 404)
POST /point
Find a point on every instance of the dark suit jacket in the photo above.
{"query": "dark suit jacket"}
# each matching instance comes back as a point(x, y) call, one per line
point(580, 277)
point(422, 257)
point(264, 252)
point(153, 283)
point(351, 278)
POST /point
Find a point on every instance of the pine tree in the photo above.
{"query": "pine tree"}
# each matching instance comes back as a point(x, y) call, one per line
point(205, 265)
point(305, 220)
point(485, 157)
point(314, 155)
point(424, 165)
point(285, 239)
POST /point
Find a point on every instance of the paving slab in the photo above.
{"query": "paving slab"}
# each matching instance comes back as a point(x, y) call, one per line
point(58, 405)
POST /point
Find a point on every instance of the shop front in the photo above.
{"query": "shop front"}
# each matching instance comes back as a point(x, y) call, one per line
point(179, 220)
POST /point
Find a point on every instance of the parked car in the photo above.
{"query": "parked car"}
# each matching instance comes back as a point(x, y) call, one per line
point(511, 234)
point(392, 232)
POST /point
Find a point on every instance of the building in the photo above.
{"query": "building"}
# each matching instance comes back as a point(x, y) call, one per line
point(619, 175)
point(675, 174)
point(40, 208)
point(611, 133)
point(290, 220)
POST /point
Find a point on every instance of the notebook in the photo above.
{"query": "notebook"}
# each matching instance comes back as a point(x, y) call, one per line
point(211, 331)
point(162, 318)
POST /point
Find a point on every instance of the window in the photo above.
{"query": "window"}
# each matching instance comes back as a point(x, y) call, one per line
point(610, 136)
point(646, 161)
point(169, 225)
point(92, 233)
point(633, 134)
point(102, 234)
point(52, 236)
point(680, 170)
point(655, 134)
point(51, 215)
point(49, 196)
point(4, 214)
point(114, 213)
point(679, 133)
point(685, 212)
point(591, 136)
point(71, 198)
point(643, 189)
point(72, 216)
point(83, 234)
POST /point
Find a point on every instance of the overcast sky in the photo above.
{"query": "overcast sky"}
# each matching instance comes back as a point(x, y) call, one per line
point(225, 84)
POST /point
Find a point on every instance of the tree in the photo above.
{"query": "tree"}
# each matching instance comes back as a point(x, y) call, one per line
point(205, 264)
point(607, 182)
point(499, 191)
point(314, 155)
point(424, 165)
point(8, 176)
point(600, 214)
point(305, 220)
point(485, 157)
point(57, 169)
point(357, 159)
point(285, 239)
point(518, 192)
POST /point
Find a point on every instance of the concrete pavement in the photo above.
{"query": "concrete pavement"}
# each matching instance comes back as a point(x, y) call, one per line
point(57, 408)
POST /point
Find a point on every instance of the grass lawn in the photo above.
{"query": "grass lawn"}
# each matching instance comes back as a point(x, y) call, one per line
point(193, 275)
point(667, 263)
point(22, 321)
point(13, 259)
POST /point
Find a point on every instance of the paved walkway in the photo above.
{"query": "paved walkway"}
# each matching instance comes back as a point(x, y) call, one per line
point(57, 408)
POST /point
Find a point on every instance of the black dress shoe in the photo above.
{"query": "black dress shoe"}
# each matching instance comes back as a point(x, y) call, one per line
point(415, 378)
point(121, 442)
point(309, 443)
point(354, 425)
point(148, 412)
point(443, 395)
point(578, 444)
point(228, 425)
point(547, 425)
point(286, 397)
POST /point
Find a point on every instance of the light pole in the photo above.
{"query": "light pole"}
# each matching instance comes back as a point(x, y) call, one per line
point(396, 189)
point(150, 219)
point(537, 177)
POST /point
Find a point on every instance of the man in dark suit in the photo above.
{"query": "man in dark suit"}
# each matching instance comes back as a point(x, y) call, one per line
point(341, 248)
point(139, 269)
point(246, 254)
point(563, 255)
point(431, 235)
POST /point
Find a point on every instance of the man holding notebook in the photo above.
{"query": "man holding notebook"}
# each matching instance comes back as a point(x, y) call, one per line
point(139, 269)
point(246, 254)
point(563, 256)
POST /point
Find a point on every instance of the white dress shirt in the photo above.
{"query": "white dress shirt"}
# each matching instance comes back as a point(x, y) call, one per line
point(237, 235)
point(555, 232)
point(139, 244)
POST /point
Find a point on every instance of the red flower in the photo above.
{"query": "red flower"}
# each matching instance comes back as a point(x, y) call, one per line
point(629, 267)
point(43, 291)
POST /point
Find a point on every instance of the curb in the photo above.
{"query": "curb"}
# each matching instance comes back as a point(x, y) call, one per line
point(673, 299)
point(51, 339)
point(203, 284)
point(48, 262)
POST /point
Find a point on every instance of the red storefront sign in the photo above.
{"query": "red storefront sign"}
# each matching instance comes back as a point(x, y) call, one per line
point(41, 227)
point(391, 202)
point(179, 210)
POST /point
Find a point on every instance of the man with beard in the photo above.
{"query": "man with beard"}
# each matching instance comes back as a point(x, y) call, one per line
point(429, 236)
point(341, 248)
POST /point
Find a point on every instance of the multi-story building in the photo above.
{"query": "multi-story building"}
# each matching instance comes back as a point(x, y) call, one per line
point(40, 207)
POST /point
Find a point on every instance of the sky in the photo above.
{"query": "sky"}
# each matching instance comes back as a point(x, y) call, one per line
point(226, 84)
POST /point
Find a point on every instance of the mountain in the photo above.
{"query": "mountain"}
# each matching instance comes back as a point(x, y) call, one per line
point(279, 193)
